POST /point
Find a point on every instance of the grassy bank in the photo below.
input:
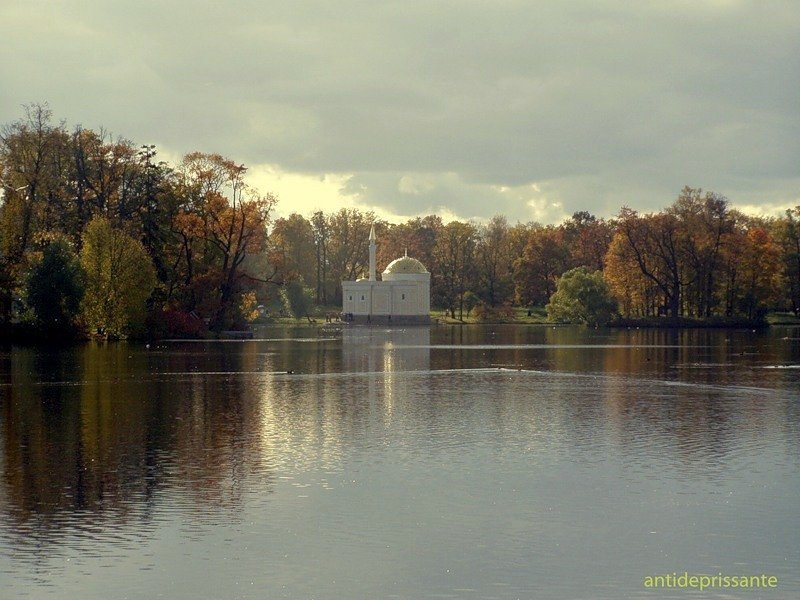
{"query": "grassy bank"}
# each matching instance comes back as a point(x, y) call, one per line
point(519, 316)
point(783, 318)
point(691, 323)
point(538, 316)
point(26, 334)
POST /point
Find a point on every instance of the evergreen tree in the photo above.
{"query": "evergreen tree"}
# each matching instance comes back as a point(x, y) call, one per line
point(55, 287)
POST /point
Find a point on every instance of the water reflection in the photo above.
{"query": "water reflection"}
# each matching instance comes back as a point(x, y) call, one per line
point(86, 432)
point(367, 349)
point(738, 357)
point(506, 451)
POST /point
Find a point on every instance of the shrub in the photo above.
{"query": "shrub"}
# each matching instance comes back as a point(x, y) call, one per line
point(484, 312)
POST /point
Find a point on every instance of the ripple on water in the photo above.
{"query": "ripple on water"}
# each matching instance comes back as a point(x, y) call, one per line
point(460, 482)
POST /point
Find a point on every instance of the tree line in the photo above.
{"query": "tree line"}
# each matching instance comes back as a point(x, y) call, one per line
point(98, 234)
point(697, 258)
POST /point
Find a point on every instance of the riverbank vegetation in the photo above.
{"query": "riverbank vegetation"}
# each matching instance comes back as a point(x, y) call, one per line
point(100, 237)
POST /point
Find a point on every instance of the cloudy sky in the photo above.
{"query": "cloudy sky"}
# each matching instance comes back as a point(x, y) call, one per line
point(534, 109)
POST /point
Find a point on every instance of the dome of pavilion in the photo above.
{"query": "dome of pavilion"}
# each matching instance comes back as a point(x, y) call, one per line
point(404, 265)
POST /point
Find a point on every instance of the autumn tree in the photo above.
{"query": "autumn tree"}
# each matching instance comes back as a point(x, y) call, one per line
point(119, 280)
point(31, 172)
point(454, 256)
point(636, 294)
point(518, 235)
point(347, 249)
point(703, 220)
point(206, 233)
point(753, 270)
point(55, 182)
point(587, 238)
point(292, 249)
point(697, 258)
point(222, 221)
point(654, 242)
point(103, 172)
point(543, 260)
point(319, 225)
point(416, 236)
point(789, 244)
point(494, 262)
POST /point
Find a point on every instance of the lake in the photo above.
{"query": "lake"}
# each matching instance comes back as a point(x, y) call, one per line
point(443, 462)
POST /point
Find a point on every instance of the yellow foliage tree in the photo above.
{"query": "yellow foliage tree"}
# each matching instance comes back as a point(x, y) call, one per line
point(634, 292)
point(119, 279)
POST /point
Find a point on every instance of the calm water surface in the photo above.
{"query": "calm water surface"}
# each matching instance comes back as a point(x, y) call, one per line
point(463, 462)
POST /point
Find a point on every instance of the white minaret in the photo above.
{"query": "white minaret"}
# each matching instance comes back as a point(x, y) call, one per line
point(372, 261)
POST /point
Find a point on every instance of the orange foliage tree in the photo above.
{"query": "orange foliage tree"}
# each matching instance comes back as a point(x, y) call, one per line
point(221, 223)
point(544, 258)
point(636, 294)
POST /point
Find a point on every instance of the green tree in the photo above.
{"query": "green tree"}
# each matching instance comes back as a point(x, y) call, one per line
point(582, 296)
point(55, 287)
point(297, 298)
point(119, 279)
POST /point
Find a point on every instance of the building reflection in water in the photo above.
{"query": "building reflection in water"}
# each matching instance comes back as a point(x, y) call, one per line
point(389, 352)
point(373, 349)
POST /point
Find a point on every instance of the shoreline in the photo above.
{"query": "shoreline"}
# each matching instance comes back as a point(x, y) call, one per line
point(23, 335)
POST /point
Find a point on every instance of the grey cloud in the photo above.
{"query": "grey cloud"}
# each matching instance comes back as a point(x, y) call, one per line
point(591, 100)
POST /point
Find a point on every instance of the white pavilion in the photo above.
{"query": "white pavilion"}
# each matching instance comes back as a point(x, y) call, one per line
point(402, 296)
